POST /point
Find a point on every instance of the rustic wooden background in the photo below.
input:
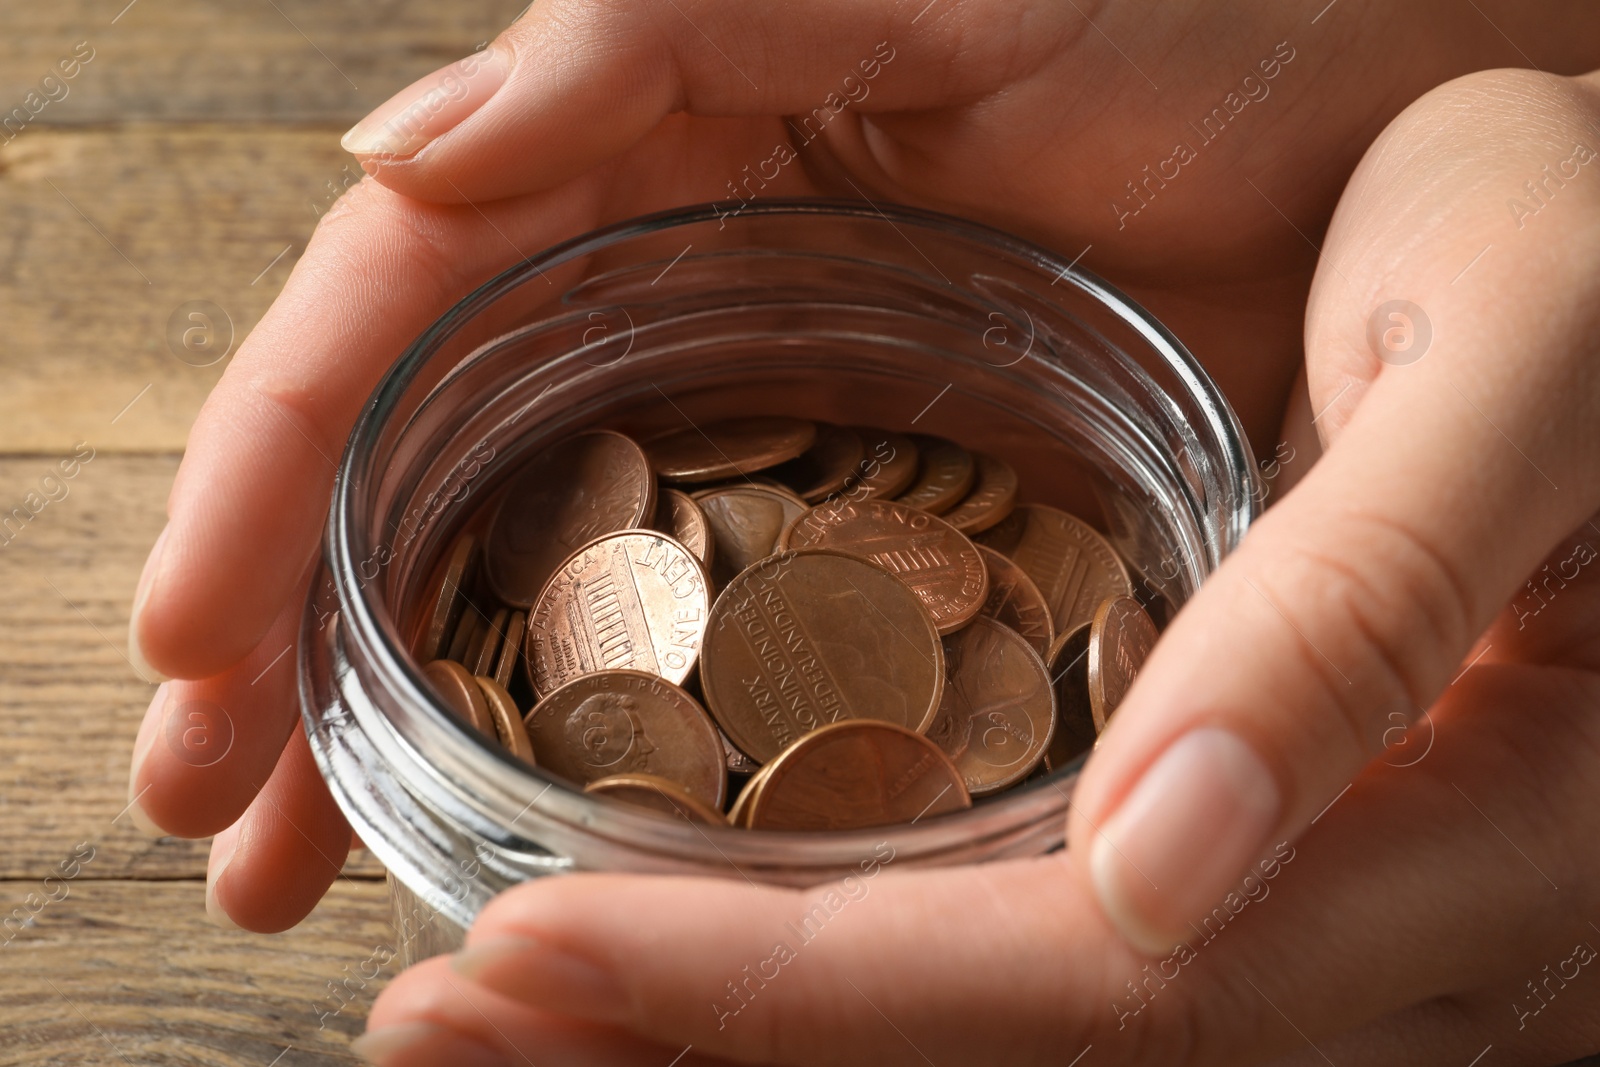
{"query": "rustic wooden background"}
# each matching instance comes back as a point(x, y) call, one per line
point(189, 161)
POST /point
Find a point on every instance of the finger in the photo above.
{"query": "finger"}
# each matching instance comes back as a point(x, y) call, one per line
point(575, 82)
point(269, 869)
point(1352, 602)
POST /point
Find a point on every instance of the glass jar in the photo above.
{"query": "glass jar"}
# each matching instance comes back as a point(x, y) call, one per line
point(832, 310)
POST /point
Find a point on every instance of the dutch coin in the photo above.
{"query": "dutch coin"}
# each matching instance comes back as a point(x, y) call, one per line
point(580, 488)
point(485, 644)
point(505, 664)
point(1073, 566)
point(732, 446)
point(449, 600)
point(825, 467)
point(853, 775)
point(999, 712)
point(945, 472)
point(993, 495)
point(1075, 726)
point(656, 794)
point(629, 722)
point(888, 465)
point(461, 694)
point(746, 522)
point(1015, 601)
point(1120, 640)
point(934, 559)
point(633, 600)
point(677, 514)
point(809, 638)
point(507, 719)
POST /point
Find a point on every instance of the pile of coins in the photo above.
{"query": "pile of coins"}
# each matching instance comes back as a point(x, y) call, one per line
point(780, 624)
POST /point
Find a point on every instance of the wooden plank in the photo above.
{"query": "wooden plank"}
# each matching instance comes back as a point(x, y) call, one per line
point(114, 973)
point(187, 60)
point(69, 576)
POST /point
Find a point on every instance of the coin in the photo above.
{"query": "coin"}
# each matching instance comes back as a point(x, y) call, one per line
point(945, 472)
point(853, 775)
point(739, 814)
point(1120, 640)
point(1075, 726)
point(731, 446)
point(628, 600)
point(993, 495)
point(677, 514)
point(998, 713)
point(745, 522)
point(485, 644)
point(629, 722)
point(809, 638)
point(578, 489)
point(888, 464)
point(1015, 601)
point(466, 629)
point(934, 559)
point(825, 467)
point(507, 719)
point(448, 599)
point(737, 762)
point(505, 664)
point(1073, 566)
point(461, 694)
point(656, 794)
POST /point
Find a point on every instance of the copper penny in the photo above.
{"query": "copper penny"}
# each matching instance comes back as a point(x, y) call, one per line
point(507, 719)
point(729, 447)
point(738, 762)
point(1015, 601)
point(1074, 567)
point(578, 489)
point(993, 495)
point(677, 514)
point(485, 644)
point(461, 694)
point(448, 599)
point(999, 713)
point(888, 465)
point(629, 722)
point(656, 794)
point(505, 664)
point(853, 775)
point(933, 558)
point(825, 467)
point(945, 471)
point(633, 600)
point(1069, 671)
point(746, 522)
point(467, 628)
point(739, 814)
point(1120, 640)
point(809, 638)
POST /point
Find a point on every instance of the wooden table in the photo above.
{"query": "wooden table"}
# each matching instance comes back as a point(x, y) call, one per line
point(188, 160)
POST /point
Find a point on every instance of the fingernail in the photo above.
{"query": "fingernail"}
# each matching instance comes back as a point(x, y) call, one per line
point(1183, 837)
point(147, 581)
point(223, 847)
point(534, 972)
point(149, 730)
point(431, 107)
point(423, 1043)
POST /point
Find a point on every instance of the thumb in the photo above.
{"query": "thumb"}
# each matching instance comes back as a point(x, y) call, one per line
point(1350, 605)
point(574, 82)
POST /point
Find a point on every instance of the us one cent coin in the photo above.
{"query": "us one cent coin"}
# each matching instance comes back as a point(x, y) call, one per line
point(888, 465)
point(461, 694)
point(945, 472)
point(466, 629)
point(1069, 672)
point(1015, 601)
point(739, 814)
point(993, 495)
point(677, 514)
point(809, 638)
point(628, 722)
point(1074, 567)
point(999, 711)
point(825, 467)
point(731, 446)
point(507, 719)
point(448, 600)
point(746, 522)
point(632, 600)
point(853, 775)
point(581, 487)
point(510, 654)
point(933, 558)
point(657, 794)
point(485, 644)
point(1120, 640)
